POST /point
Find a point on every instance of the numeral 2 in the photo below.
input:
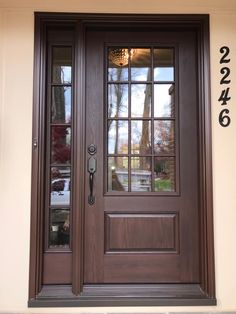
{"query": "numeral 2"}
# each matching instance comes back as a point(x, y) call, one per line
point(225, 50)
point(226, 72)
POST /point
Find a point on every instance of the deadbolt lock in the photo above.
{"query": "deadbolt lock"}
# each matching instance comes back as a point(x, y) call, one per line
point(92, 149)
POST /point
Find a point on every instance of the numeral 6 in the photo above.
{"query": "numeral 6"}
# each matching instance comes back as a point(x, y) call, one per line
point(224, 119)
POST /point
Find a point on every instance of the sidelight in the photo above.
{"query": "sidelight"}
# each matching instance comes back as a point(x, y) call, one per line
point(59, 130)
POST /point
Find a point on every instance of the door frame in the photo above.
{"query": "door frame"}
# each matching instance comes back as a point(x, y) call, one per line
point(78, 294)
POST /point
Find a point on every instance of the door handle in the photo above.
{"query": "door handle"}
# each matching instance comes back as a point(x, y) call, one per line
point(92, 167)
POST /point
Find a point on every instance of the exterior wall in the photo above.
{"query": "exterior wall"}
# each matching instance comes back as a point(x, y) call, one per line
point(16, 73)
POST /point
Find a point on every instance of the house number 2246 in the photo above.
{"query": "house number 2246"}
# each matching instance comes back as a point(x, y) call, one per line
point(224, 118)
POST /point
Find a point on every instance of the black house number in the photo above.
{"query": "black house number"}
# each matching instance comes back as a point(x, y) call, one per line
point(225, 81)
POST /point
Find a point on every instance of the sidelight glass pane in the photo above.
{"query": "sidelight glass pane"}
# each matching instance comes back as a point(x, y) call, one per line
point(141, 97)
point(163, 64)
point(61, 104)
point(61, 65)
point(60, 186)
point(141, 64)
point(59, 234)
point(164, 100)
point(164, 139)
point(60, 145)
point(118, 58)
point(117, 137)
point(117, 100)
point(141, 137)
point(141, 174)
point(164, 170)
point(118, 174)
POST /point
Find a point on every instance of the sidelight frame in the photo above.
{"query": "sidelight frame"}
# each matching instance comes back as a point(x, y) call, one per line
point(79, 294)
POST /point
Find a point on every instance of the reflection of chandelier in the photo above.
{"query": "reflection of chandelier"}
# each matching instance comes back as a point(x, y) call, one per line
point(120, 56)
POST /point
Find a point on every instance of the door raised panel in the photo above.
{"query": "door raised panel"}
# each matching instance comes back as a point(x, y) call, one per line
point(141, 233)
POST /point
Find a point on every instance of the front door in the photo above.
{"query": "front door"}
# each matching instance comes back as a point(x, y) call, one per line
point(121, 188)
point(142, 186)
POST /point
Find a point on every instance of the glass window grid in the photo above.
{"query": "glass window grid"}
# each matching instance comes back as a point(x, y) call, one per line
point(130, 82)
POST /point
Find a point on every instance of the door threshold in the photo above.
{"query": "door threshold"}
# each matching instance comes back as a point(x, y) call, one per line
point(122, 295)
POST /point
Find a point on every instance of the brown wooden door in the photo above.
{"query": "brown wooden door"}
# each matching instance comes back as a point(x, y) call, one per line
point(141, 113)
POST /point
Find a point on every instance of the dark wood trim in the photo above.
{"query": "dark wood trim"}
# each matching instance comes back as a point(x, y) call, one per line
point(78, 160)
point(77, 294)
point(205, 146)
point(36, 234)
point(112, 301)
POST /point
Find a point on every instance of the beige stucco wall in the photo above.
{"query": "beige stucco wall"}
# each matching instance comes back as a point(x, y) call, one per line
point(16, 72)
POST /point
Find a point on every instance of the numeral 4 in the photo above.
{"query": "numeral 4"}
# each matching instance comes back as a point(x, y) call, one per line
point(224, 97)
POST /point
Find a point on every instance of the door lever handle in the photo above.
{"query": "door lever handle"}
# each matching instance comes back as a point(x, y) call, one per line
point(92, 167)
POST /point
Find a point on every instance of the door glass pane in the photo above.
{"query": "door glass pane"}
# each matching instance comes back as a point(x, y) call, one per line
point(117, 137)
point(141, 174)
point(164, 169)
point(118, 59)
point(163, 64)
point(140, 64)
point(118, 174)
point(61, 104)
point(141, 96)
point(141, 113)
point(61, 144)
point(164, 141)
point(59, 234)
point(60, 186)
point(61, 65)
point(117, 100)
point(164, 100)
point(141, 137)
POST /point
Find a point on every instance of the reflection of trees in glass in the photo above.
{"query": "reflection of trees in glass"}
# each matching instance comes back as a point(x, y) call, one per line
point(61, 224)
point(58, 105)
point(164, 136)
point(61, 144)
point(165, 174)
point(119, 94)
point(116, 184)
point(145, 145)
point(139, 99)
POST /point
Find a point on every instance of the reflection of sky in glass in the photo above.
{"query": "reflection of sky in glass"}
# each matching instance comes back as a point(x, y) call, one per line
point(122, 137)
point(118, 74)
point(67, 94)
point(66, 74)
point(61, 74)
point(138, 94)
point(66, 78)
point(162, 100)
point(139, 74)
point(164, 74)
